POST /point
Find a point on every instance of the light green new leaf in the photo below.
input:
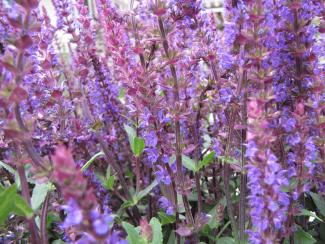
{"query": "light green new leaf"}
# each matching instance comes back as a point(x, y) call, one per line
point(157, 236)
point(166, 219)
point(91, 160)
point(133, 234)
point(141, 194)
point(38, 195)
point(189, 163)
point(138, 146)
point(131, 134)
point(207, 159)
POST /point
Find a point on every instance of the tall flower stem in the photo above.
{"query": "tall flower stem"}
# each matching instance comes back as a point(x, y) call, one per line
point(177, 124)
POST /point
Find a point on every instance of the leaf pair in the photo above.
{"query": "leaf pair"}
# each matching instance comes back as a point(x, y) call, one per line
point(190, 164)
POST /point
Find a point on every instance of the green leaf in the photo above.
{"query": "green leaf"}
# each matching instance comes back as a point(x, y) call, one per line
point(8, 168)
point(166, 219)
point(38, 195)
point(11, 202)
point(228, 160)
point(189, 163)
point(305, 212)
point(209, 158)
point(110, 182)
point(7, 202)
point(131, 134)
point(141, 194)
point(225, 240)
point(319, 202)
point(303, 237)
point(21, 207)
point(157, 236)
point(138, 146)
point(90, 161)
point(133, 234)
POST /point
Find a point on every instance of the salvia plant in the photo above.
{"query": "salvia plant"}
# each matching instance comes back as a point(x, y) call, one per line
point(162, 122)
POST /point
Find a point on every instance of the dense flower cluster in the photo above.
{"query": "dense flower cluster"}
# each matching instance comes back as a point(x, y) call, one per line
point(212, 123)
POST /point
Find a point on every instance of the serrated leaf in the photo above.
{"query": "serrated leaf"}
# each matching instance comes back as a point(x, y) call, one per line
point(21, 207)
point(110, 182)
point(38, 195)
point(157, 236)
point(225, 240)
point(303, 237)
point(319, 202)
point(133, 234)
point(138, 146)
point(228, 160)
point(141, 194)
point(189, 163)
point(207, 159)
point(166, 219)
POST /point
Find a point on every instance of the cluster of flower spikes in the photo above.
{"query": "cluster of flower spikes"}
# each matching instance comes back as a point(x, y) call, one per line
point(83, 211)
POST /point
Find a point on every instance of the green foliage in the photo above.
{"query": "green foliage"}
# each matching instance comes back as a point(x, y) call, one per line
point(108, 180)
point(137, 143)
point(305, 212)
point(207, 159)
point(11, 202)
point(157, 235)
point(133, 234)
point(303, 237)
point(166, 219)
point(189, 163)
point(39, 193)
point(319, 202)
point(90, 161)
point(225, 240)
point(139, 195)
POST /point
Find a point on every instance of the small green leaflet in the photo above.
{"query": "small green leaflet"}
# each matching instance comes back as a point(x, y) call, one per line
point(11, 202)
point(90, 161)
point(166, 219)
point(139, 195)
point(133, 234)
point(39, 193)
point(157, 236)
point(191, 165)
point(207, 159)
point(137, 143)
point(138, 146)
